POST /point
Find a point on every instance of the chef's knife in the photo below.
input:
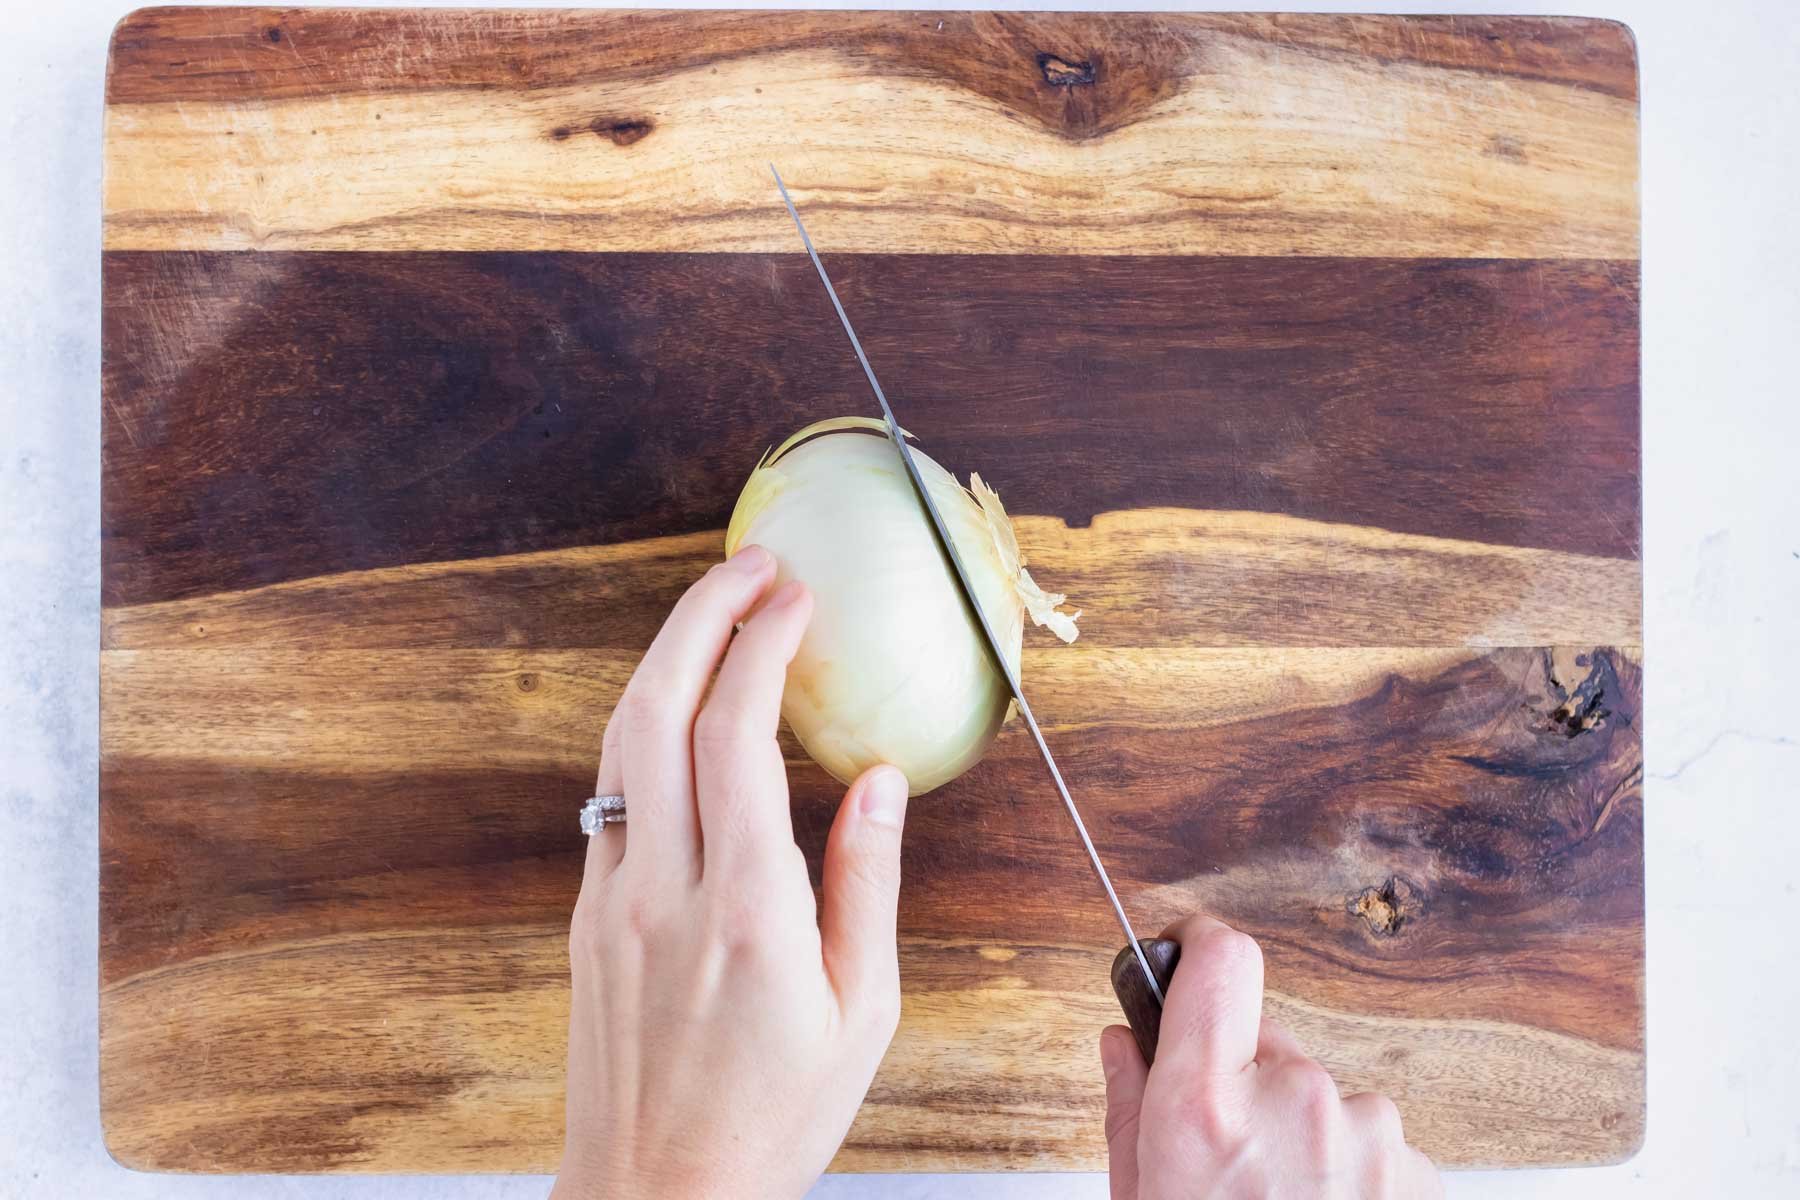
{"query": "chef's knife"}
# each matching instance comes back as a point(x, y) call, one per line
point(1140, 992)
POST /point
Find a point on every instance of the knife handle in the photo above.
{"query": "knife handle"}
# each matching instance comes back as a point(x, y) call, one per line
point(1142, 1012)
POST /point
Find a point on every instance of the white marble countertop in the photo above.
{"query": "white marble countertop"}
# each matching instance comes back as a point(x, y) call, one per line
point(1721, 173)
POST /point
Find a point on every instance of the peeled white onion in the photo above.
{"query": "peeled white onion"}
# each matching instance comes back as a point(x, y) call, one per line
point(892, 668)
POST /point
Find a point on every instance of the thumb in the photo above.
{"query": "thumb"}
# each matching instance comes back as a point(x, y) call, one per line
point(862, 893)
point(1126, 1075)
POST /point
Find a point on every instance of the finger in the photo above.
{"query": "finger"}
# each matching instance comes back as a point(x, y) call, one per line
point(1273, 1043)
point(1214, 1001)
point(738, 772)
point(1384, 1161)
point(1300, 1096)
point(857, 931)
point(1421, 1180)
point(607, 846)
point(656, 714)
point(1375, 1116)
point(1126, 1076)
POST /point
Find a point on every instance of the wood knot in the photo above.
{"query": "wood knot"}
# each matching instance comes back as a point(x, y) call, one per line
point(1388, 906)
point(527, 682)
point(1060, 72)
point(618, 132)
point(621, 133)
point(1501, 146)
point(275, 33)
point(1583, 708)
point(1573, 719)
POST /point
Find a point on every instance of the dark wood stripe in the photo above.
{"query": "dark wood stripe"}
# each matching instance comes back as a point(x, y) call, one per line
point(270, 416)
point(1079, 73)
point(205, 859)
point(1460, 844)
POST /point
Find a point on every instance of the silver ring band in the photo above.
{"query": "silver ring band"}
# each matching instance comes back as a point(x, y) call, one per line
point(600, 811)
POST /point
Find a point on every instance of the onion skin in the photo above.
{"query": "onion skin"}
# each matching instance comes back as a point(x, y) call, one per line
point(893, 667)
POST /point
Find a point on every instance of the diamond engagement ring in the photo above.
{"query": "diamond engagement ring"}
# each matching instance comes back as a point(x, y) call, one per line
point(601, 811)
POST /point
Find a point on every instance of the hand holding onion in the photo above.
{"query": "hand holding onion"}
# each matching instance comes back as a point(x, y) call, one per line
point(892, 668)
point(723, 1029)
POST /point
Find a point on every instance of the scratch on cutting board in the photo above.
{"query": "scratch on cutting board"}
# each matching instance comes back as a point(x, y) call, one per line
point(118, 413)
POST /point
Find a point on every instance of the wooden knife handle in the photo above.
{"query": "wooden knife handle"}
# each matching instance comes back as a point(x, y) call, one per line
point(1142, 1012)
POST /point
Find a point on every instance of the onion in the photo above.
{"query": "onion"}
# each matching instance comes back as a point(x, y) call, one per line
point(892, 668)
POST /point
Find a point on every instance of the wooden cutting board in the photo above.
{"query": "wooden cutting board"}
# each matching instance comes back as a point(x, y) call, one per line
point(437, 345)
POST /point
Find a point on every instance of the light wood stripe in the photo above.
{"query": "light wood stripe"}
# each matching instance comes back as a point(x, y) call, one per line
point(1256, 149)
point(479, 1037)
point(1146, 577)
point(358, 710)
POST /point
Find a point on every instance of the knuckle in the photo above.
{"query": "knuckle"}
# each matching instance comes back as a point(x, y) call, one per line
point(638, 917)
point(1221, 949)
point(1381, 1113)
point(1201, 1105)
point(757, 914)
point(594, 924)
point(1311, 1091)
point(871, 874)
point(1318, 1092)
point(1122, 1122)
point(746, 867)
point(637, 716)
point(1235, 951)
point(711, 594)
point(735, 927)
point(733, 850)
point(723, 723)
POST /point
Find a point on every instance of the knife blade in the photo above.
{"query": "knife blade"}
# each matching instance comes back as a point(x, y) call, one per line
point(1139, 1008)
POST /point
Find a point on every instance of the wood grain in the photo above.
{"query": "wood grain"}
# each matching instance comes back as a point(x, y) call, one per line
point(461, 1053)
point(436, 346)
point(1223, 134)
point(454, 1051)
point(1500, 850)
point(446, 406)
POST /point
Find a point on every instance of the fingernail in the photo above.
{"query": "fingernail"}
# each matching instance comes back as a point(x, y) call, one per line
point(884, 797)
point(1112, 1053)
point(748, 560)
